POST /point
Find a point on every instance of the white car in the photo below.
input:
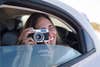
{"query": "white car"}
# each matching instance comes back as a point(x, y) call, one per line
point(73, 28)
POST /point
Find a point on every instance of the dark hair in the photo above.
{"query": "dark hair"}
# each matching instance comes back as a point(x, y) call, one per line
point(32, 21)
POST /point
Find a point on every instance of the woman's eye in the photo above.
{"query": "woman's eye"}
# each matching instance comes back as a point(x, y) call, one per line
point(51, 28)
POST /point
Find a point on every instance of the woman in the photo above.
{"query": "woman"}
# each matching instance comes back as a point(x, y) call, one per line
point(38, 21)
point(58, 54)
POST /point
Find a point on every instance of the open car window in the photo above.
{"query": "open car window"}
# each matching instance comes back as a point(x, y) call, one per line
point(34, 55)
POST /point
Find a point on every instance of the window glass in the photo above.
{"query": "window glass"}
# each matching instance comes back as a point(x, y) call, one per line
point(36, 56)
point(89, 41)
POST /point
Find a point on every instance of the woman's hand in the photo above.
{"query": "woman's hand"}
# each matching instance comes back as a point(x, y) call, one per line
point(24, 39)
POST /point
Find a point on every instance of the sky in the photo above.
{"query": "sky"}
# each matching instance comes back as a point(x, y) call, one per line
point(89, 7)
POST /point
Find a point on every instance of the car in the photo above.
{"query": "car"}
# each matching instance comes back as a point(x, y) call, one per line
point(73, 28)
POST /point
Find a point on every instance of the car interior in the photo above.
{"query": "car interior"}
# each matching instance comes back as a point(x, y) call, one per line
point(11, 25)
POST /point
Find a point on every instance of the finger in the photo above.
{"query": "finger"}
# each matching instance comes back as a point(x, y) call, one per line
point(25, 36)
point(28, 29)
point(25, 33)
point(29, 41)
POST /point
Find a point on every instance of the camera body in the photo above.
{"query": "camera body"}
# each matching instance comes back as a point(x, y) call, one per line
point(40, 35)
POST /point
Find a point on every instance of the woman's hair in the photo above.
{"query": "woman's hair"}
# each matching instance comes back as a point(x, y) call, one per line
point(32, 21)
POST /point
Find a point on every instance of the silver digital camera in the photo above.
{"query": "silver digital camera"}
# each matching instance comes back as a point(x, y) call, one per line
point(40, 35)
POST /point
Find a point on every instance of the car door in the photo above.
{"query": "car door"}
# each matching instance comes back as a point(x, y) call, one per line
point(82, 42)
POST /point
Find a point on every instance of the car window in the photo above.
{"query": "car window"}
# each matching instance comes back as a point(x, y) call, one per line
point(18, 54)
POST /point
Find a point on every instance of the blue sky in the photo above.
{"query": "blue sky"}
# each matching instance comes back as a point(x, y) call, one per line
point(90, 7)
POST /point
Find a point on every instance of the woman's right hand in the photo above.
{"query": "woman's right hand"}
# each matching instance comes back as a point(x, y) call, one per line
point(24, 39)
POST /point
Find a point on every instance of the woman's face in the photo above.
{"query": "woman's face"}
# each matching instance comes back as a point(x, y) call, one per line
point(45, 23)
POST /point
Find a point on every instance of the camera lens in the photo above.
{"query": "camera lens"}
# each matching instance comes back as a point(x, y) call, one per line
point(39, 37)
